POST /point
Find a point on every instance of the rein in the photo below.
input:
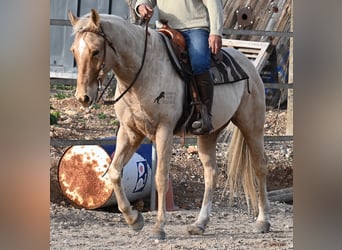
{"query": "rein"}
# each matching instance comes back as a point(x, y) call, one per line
point(142, 21)
point(106, 40)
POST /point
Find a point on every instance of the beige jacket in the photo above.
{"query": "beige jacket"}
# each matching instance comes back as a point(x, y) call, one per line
point(188, 14)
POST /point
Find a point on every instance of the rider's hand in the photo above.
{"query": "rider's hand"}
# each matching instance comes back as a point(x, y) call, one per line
point(215, 43)
point(145, 11)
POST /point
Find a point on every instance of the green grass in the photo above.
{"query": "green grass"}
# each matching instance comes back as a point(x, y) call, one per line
point(102, 116)
point(63, 87)
point(63, 91)
point(114, 122)
point(96, 106)
point(60, 95)
point(54, 116)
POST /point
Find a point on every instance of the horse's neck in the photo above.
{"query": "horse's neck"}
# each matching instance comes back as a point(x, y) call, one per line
point(128, 41)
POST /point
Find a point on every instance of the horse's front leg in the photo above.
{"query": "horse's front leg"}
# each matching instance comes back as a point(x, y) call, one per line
point(127, 143)
point(207, 154)
point(164, 141)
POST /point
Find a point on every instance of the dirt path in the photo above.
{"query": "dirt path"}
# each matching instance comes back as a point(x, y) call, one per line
point(229, 228)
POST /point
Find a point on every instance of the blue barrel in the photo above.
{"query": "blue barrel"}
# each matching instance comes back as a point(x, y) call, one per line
point(81, 175)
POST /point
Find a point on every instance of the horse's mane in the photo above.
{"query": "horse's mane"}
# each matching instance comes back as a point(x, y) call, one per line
point(84, 23)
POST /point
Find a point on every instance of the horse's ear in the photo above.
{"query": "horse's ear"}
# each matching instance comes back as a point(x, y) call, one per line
point(73, 19)
point(95, 17)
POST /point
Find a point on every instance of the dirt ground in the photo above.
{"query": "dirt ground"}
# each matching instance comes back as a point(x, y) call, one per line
point(230, 226)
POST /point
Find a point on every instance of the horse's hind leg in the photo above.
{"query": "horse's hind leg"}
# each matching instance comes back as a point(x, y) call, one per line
point(260, 167)
point(127, 143)
point(252, 127)
point(207, 154)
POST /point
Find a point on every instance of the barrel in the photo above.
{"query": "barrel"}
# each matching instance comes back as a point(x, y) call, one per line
point(82, 178)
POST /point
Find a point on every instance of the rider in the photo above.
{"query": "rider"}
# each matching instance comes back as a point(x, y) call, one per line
point(201, 23)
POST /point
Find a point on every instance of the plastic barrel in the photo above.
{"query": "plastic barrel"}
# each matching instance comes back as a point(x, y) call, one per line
point(81, 170)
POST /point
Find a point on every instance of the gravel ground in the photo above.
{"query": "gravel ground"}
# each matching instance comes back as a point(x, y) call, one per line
point(230, 226)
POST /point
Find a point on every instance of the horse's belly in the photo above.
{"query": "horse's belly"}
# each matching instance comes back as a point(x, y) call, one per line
point(226, 101)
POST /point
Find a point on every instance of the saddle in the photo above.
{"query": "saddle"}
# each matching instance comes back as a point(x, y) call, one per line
point(224, 69)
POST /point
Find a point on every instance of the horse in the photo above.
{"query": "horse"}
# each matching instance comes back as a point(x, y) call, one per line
point(104, 43)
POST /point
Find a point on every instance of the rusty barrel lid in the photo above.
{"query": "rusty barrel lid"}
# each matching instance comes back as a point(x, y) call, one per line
point(80, 171)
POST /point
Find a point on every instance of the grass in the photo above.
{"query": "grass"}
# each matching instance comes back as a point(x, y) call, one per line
point(114, 122)
point(63, 91)
point(102, 116)
point(63, 87)
point(54, 116)
point(61, 95)
point(96, 106)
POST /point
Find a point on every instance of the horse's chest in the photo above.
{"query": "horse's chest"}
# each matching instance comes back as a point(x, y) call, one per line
point(140, 120)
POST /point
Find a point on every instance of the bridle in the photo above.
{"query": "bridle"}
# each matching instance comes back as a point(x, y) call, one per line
point(101, 33)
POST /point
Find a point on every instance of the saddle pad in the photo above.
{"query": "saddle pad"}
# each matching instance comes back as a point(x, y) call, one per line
point(227, 70)
point(223, 69)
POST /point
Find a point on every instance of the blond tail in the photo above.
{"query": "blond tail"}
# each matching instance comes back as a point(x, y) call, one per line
point(240, 170)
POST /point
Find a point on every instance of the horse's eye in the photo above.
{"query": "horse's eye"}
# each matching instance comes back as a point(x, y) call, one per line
point(95, 52)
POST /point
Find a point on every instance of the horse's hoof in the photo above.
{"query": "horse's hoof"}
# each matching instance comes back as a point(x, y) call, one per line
point(262, 227)
point(158, 234)
point(139, 223)
point(195, 230)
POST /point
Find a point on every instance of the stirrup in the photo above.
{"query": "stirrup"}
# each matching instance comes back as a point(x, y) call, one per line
point(199, 129)
point(202, 131)
point(196, 124)
point(203, 125)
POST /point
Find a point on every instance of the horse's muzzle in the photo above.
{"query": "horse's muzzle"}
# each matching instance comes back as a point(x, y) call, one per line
point(85, 100)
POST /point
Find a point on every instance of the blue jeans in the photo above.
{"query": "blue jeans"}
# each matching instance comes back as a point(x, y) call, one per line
point(198, 49)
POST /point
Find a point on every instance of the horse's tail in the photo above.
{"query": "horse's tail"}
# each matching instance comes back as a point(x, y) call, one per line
point(240, 170)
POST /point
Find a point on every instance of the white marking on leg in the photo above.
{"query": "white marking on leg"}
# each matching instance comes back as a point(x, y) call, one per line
point(263, 212)
point(204, 213)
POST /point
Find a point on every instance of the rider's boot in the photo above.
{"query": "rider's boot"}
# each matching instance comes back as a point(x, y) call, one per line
point(206, 91)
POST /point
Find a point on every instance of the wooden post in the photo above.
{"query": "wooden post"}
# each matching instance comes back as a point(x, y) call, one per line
point(289, 125)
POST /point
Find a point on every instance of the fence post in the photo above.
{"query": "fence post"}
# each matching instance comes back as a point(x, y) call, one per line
point(289, 125)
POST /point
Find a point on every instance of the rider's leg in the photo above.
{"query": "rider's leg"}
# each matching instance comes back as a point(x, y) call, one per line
point(199, 54)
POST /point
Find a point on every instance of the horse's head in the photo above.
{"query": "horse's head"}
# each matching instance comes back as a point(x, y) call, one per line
point(89, 50)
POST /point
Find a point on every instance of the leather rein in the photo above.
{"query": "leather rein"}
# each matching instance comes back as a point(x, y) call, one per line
point(106, 40)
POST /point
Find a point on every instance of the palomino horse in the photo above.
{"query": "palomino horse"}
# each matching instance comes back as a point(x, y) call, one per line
point(107, 42)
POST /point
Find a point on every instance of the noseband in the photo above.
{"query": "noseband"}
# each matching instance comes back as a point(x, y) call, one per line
point(101, 33)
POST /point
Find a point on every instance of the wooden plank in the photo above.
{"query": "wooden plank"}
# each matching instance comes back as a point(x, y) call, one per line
point(62, 75)
point(278, 85)
point(255, 51)
point(249, 33)
point(282, 195)
point(62, 81)
point(249, 50)
point(244, 43)
point(60, 22)
point(252, 57)
point(270, 17)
